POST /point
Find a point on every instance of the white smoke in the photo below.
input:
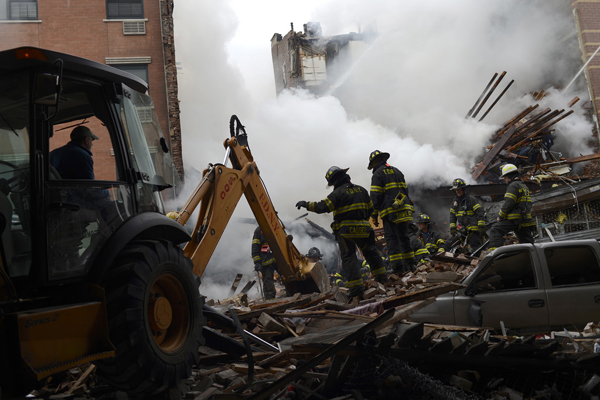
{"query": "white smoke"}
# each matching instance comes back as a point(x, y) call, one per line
point(407, 95)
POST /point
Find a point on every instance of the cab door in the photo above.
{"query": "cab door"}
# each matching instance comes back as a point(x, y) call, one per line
point(83, 210)
point(574, 289)
point(510, 290)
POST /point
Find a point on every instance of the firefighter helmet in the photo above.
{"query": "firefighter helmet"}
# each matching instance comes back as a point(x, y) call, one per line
point(334, 174)
point(423, 219)
point(458, 184)
point(509, 169)
point(314, 252)
point(376, 157)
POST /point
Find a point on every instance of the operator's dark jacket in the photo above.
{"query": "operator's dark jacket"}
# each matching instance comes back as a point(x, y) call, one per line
point(387, 184)
point(467, 212)
point(517, 204)
point(73, 161)
point(351, 207)
point(261, 253)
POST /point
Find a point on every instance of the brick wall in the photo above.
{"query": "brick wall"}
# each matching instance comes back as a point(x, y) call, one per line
point(80, 28)
point(587, 18)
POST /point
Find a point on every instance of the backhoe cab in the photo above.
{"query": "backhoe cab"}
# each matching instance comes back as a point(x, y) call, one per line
point(91, 269)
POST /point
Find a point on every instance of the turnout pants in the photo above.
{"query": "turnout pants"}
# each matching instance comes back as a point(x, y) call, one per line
point(351, 264)
point(501, 228)
point(397, 240)
point(268, 271)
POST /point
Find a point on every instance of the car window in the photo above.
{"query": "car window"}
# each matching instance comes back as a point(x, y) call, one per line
point(507, 271)
point(572, 265)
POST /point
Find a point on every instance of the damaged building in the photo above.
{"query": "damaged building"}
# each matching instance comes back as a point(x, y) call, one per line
point(309, 60)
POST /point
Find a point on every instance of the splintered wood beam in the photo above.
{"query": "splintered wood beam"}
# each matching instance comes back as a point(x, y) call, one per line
point(421, 294)
point(495, 101)
point(507, 125)
point(489, 94)
point(572, 102)
point(540, 130)
point(235, 284)
point(481, 96)
point(489, 157)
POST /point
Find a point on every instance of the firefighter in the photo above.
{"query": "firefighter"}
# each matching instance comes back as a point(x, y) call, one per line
point(389, 195)
point(419, 249)
point(264, 262)
point(467, 217)
point(515, 214)
point(314, 254)
point(432, 240)
point(351, 207)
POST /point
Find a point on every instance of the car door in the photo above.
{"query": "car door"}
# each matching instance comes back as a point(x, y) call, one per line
point(574, 290)
point(508, 289)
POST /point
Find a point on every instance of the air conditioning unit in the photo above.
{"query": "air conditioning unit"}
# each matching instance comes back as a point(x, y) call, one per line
point(134, 27)
point(145, 114)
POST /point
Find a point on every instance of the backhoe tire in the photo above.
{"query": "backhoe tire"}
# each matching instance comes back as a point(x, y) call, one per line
point(155, 319)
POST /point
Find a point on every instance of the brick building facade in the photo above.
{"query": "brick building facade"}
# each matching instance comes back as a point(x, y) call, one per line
point(587, 18)
point(133, 35)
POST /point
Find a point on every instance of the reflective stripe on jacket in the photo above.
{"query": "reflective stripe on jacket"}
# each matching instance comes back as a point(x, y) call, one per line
point(351, 207)
point(387, 185)
point(517, 204)
point(468, 212)
point(258, 256)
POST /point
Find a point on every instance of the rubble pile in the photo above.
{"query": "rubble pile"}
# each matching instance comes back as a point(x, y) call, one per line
point(327, 346)
point(526, 140)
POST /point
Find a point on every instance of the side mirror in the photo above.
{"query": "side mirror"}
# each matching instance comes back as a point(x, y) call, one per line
point(47, 89)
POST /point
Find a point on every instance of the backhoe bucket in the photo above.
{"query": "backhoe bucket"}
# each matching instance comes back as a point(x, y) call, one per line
point(314, 279)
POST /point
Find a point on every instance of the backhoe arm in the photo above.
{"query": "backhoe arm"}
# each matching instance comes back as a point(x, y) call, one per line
point(219, 193)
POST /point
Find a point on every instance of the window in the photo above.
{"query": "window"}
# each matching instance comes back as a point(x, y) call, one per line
point(508, 271)
point(572, 265)
point(124, 9)
point(18, 10)
point(139, 70)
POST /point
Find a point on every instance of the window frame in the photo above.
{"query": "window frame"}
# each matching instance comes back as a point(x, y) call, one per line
point(121, 17)
point(576, 276)
point(8, 11)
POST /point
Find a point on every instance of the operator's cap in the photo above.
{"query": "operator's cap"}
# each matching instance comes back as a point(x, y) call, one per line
point(81, 132)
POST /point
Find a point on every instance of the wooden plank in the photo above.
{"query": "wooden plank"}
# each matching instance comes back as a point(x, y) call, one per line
point(402, 313)
point(301, 369)
point(421, 294)
point(324, 314)
point(235, 284)
point(279, 306)
point(274, 360)
point(489, 157)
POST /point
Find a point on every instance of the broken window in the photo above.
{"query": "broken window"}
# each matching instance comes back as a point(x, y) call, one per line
point(572, 265)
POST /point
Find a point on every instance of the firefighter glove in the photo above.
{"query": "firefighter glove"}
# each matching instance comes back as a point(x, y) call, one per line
point(453, 231)
point(257, 266)
point(481, 230)
point(374, 220)
point(301, 204)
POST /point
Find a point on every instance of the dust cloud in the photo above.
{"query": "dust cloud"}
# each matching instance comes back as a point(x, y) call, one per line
point(407, 94)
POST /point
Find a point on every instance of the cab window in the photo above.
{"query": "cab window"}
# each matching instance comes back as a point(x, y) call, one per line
point(572, 265)
point(507, 271)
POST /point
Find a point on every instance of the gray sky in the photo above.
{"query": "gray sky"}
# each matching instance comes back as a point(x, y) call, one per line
point(407, 95)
